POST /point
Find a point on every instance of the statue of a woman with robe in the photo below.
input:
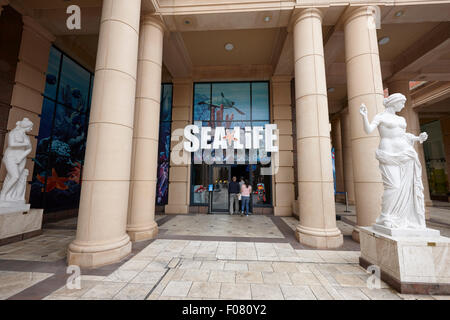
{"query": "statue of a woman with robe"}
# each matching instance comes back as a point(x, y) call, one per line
point(403, 200)
point(14, 159)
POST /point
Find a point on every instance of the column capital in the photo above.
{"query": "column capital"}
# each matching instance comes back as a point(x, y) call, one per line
point(151, 19)
point(356, 12)
point(31, 24)
point(304, 14)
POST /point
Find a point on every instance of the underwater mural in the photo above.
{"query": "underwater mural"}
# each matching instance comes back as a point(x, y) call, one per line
point(61, 146)
point(162, 185)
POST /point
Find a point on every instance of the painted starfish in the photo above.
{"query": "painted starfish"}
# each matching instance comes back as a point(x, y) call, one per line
point(230, 137)
point(54, 182)
point(75, 173)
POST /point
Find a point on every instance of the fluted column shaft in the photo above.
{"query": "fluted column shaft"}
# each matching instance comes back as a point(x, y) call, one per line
point(317, 226)
point(101, 232)
point(141, 214)
point(364, 85)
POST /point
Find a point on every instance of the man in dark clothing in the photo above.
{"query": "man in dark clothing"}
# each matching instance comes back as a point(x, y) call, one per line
point(234, 190)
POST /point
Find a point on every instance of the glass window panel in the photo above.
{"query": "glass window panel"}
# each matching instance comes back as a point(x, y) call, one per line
point(262, 187)
point(202, 101)
point(74, 85)
point(230, 102)
point(67, 152)
point(260, 101)
point(199, 186)
point(45, 126)
point(162, 186)
point(166, 102)
point(51, 78)
point(91, 91)
point(41, 160)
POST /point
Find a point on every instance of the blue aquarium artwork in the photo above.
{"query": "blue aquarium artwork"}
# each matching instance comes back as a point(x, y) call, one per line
point(61, 145)
point(231, 105)
point(165, 127)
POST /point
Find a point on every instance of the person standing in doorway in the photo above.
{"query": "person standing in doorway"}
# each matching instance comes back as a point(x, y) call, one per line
point(241, 183)
point(246, 191)
point(233, 190)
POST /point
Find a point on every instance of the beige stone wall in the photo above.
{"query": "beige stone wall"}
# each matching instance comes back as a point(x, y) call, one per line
point(29, 85)
point(179, 174)
point(282, 116)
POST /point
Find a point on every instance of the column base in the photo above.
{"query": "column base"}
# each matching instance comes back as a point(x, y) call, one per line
point(319, 238)
point(142, 234)
point(355, 234)
point(91, 257)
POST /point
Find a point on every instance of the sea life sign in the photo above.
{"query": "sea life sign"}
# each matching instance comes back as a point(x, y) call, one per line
point(220, 145)
point(222, 138)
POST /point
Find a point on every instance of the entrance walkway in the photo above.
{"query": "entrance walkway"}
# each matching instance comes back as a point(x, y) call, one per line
point(201, 257)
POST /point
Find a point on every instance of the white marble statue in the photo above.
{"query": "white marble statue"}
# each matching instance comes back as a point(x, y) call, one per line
point(14, 159)
point(403, 200)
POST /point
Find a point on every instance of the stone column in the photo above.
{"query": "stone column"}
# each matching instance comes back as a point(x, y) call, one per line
point(141, 213)
point(282, 116)
point(101, 233)
point(338, 162)
point(179, 174)
point(347, 156)
point(412, 120)
point(364, 85)
point(445, 127)
point(29, 85)
point(317, 226)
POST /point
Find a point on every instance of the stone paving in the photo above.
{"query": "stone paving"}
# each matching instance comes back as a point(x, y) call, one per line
point(12, 282)
point(193, 270)
point(223, 225)
point(202, 257)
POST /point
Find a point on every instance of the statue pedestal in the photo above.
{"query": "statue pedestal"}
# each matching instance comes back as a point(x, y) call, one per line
point(406, 232)
point(19, 223)
point(408, 263)
point(14, 208)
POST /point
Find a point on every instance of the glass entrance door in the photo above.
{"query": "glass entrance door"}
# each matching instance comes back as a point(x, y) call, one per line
point(220, 179)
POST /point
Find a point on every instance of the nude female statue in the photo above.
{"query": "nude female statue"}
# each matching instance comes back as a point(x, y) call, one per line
point(403, 201)
point(19, 147)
